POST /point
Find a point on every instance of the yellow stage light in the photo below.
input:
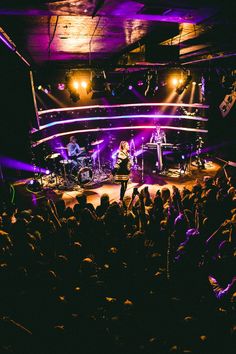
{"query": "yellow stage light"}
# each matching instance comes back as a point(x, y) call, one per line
point(84, 84)
point(75, 85)
point(175, 81)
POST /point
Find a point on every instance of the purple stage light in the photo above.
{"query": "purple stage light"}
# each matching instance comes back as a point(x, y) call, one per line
point(139, 152)
point(57, 147)
point(34, 199)
point(140, 83)
point(98, 150)
point(141, 136)
point(207, 149)
point(130, 87)
point(61, 86)
point(113, 156)
point(95, 154)
point(19, 165)
point(140, 96)
point(167, 152)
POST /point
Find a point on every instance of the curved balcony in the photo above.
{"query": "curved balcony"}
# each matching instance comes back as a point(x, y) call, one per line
point(96, 119)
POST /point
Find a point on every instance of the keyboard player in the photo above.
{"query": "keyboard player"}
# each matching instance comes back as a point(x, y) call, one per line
point(158, 136)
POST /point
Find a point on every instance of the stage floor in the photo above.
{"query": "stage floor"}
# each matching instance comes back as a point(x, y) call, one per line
point(153, 181)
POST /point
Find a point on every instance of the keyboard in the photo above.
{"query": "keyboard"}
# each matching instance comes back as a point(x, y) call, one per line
point(153, 146)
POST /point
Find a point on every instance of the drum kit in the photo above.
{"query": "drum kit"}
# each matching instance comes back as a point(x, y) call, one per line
point(78, 171)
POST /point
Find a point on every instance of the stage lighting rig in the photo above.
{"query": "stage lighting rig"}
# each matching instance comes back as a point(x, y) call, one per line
point(72, 85)
point(34, 186)
point(152, 83)
point(45, 88)
point(99, 85)
point(186, 81)
point(74, 97)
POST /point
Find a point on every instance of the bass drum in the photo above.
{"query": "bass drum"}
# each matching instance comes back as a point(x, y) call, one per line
point(85, 175)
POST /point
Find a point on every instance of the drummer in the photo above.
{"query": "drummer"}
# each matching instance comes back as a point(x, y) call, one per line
point(73, 149)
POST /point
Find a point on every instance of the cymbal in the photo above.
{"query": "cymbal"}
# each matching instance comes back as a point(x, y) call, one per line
point(53, 155)
point(97, 142)
point(61, 148)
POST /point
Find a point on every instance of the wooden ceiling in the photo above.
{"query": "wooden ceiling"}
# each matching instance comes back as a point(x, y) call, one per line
point(92, 31)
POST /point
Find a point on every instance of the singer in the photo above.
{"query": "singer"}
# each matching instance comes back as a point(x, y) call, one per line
point(122, 167)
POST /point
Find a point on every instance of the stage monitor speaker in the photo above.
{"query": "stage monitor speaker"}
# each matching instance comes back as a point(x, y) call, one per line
point(161, 53)
point(227, 104)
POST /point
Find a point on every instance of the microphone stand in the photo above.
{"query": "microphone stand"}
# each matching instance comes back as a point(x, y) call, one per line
point(190, 160)
point(142, 165)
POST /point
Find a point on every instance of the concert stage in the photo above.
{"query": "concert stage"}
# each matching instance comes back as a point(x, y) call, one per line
point(93, 193)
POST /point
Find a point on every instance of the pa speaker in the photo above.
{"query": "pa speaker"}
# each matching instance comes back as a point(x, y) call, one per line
point(161, 53)
point(227, 104)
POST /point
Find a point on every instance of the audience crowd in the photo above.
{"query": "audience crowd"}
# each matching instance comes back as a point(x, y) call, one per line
point(146, 275)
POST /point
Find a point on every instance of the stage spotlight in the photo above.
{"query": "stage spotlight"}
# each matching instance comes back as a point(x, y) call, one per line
point(130, 87)
point(40, 87)
point(140, 83)
point(175, 81)
point(75, 85)
point(194, 83)
point(180, 89)
point(47, 172)
point(34, 185)
point(84, 84)
point(47, 89)
point(61, 86)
